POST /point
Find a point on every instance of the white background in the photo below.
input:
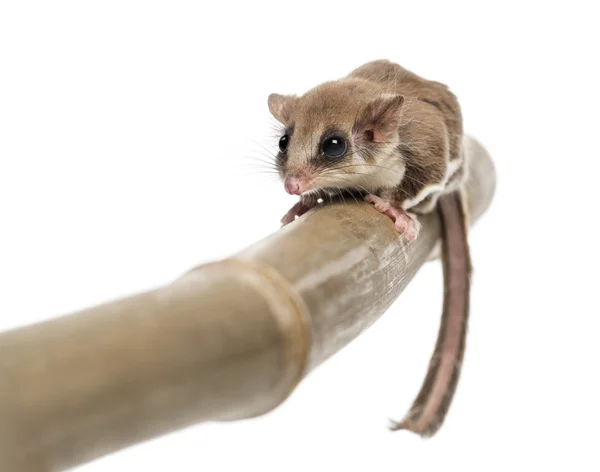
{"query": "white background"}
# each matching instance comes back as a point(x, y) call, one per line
point(127, 133)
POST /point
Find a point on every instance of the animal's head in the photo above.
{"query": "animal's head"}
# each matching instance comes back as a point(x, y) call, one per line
point(339, 135)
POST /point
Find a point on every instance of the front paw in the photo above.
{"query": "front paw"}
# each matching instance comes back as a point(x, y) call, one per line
point(297, 210)
point(288, 217)
point(404, 222)
point(408, 224)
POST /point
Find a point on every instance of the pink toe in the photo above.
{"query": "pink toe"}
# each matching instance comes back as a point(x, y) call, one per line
point(405, 223)
point(287, 219)
point(400, 225)
point(411, 235)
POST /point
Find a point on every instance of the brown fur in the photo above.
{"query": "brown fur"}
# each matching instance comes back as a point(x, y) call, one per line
point(429, 409)
point(422, 138)
point(404, 136)
point(431, 132)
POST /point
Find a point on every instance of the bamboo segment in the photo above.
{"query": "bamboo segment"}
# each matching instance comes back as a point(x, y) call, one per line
point(227, 340)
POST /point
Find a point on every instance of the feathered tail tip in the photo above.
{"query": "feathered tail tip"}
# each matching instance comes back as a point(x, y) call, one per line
point(414, 423)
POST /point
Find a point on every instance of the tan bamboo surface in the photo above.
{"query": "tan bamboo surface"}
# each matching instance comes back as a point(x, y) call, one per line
point(227, 340)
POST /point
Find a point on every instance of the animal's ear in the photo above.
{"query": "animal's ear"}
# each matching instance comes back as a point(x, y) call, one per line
point(282, 107)
point(381, 117)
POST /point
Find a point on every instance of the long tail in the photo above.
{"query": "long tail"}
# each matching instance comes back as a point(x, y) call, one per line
point(433, 402)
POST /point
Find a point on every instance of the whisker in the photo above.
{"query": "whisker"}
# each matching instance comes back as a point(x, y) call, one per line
point(269, 151)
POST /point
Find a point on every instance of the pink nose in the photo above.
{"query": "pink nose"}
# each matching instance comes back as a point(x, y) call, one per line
point(292, 186)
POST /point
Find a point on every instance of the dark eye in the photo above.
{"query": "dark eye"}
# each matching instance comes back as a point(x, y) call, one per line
point(283, 142)
point(334, 146)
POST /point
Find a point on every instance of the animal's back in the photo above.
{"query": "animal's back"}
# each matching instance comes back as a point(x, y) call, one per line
point(398, 79)
point(432, 130)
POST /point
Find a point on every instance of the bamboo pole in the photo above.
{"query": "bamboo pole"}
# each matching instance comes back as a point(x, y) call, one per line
point(227, 340)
